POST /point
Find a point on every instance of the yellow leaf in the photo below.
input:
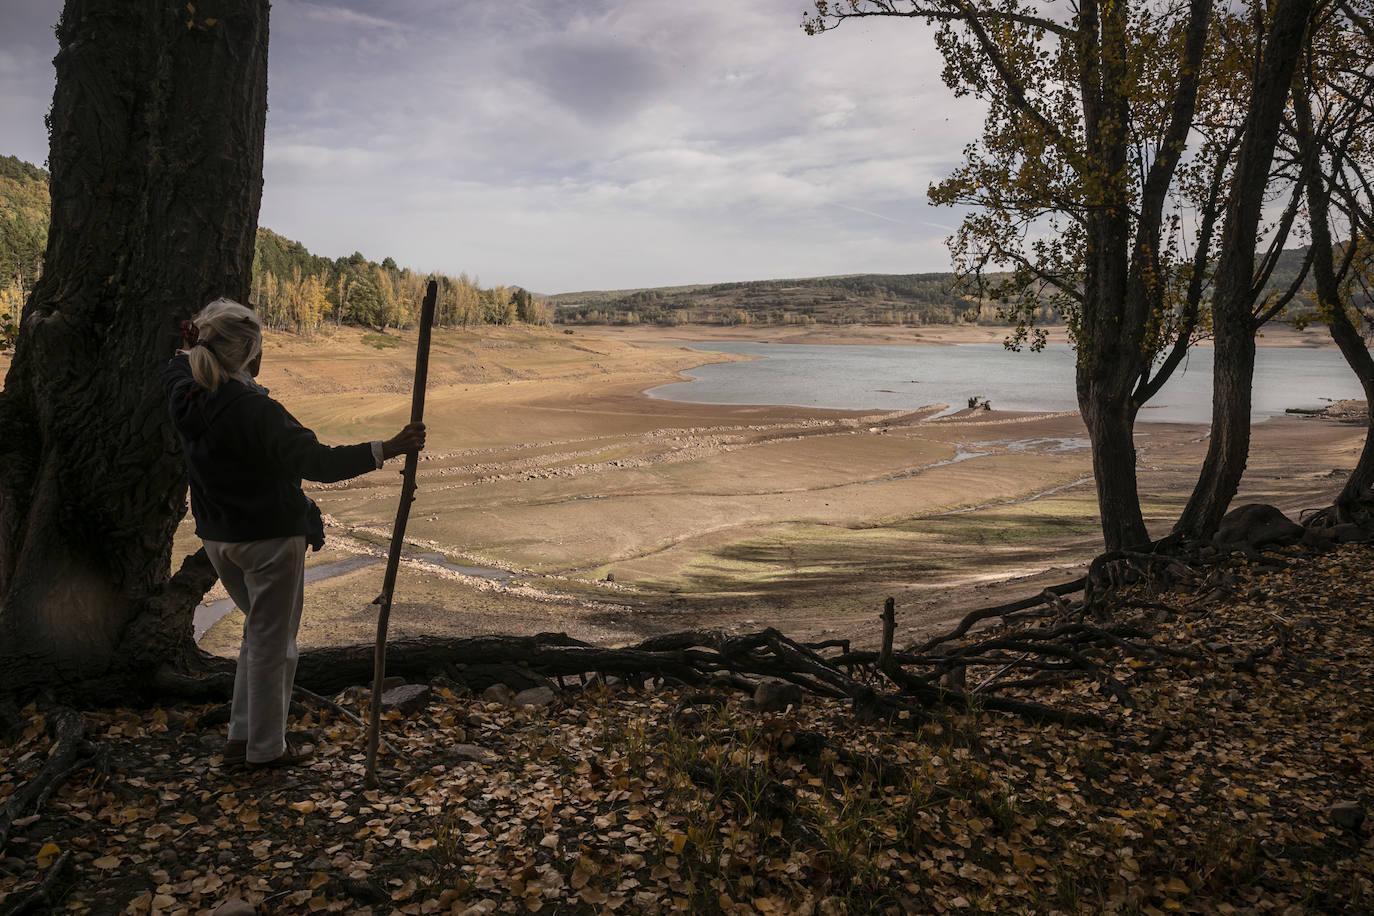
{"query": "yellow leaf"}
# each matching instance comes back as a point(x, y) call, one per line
point(190, 8)
point(304, 807)
point(1176, 886)
point(1023, 861)
point(679, 842)
point(45, 855)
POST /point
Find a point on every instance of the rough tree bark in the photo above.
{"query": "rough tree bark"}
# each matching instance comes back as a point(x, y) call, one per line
point(1355, 502)
point(1233, 316)
point(156, 162)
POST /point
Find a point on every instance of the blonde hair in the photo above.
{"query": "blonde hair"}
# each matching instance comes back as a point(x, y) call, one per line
point(230, 337)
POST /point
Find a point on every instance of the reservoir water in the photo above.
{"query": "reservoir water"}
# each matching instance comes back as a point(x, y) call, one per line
point(904, 378)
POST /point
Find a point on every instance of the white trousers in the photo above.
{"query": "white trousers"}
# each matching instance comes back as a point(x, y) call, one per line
point(266, 579)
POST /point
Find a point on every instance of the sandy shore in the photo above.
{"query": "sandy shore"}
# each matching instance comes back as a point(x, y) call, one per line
point(621, 515)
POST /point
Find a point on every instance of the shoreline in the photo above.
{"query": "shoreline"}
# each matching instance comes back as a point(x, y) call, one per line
point(624, 515)
point(1275, 334)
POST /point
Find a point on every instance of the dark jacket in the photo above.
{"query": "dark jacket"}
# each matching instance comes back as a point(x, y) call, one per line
point(245, 457)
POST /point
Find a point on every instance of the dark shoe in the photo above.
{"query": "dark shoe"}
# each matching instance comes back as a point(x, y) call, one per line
point(288, 758)
point(234, 751)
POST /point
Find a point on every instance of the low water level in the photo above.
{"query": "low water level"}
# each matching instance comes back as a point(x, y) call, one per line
point(904, 378)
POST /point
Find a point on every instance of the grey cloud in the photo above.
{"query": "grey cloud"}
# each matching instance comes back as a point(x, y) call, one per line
point(599, 81)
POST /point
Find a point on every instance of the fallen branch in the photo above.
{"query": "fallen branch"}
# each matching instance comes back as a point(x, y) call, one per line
point(346, 713)
point(1048, 596)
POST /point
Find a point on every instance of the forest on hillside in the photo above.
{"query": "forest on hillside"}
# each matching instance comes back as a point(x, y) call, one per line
point(293, 289)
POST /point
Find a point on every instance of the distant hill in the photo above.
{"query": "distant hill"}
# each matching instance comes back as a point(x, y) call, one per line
point(932, 298)
point(879, 299)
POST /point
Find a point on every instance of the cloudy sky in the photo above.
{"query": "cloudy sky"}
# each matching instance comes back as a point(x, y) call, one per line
point(563, 145)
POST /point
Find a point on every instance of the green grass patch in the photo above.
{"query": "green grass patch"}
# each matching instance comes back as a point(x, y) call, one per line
point(381, 341)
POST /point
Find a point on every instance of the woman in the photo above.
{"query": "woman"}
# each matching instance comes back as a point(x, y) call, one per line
point(245, 456)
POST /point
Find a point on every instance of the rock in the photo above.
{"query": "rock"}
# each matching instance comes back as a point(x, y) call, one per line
point(235, 906)
point(498, 693)
point(610, 577)
point(471, 752)
point(1348, 815)
point(391, 683)
point(1255, 525)
point(319, 863)
point(776, 696)
point(408, 698)
point(535, 696)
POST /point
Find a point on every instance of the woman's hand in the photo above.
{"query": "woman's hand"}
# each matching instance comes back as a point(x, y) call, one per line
point(410, 439)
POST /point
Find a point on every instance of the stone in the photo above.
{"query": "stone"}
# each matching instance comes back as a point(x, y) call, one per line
point(408, 698)
point(235, 906)
point(498, 693)
point(1348, 815)
point(535, 696)
point(391, 683)
point(776, 696)
point(1256, 525)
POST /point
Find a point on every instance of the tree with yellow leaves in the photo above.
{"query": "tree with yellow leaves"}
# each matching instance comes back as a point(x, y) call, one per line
point(1107, 123)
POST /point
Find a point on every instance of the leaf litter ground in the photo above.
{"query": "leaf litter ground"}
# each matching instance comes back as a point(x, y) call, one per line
point(1212, 793)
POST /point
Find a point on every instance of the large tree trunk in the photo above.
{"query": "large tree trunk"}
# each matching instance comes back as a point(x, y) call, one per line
point(156, 162)
point(1233, 303)
point(1110, 423)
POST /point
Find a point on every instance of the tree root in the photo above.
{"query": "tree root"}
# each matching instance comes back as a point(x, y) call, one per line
point(68, 729)
point(44, 898)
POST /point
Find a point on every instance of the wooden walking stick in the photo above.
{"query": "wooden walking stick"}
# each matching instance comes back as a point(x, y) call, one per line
point(398, 533)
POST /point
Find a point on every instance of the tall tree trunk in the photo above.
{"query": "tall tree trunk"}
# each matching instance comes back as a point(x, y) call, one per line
point(1111, 329)
point(1233, 303)
point(156, 162)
